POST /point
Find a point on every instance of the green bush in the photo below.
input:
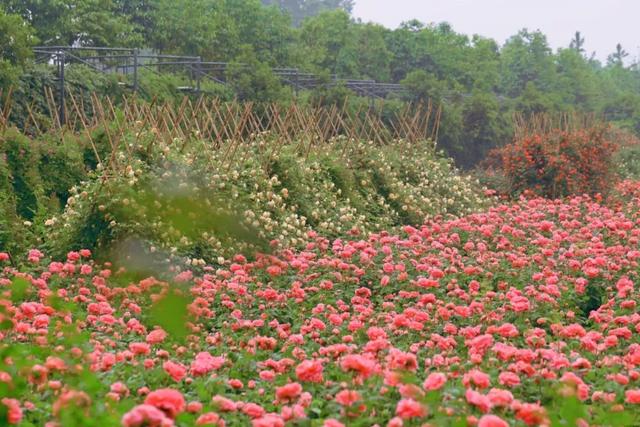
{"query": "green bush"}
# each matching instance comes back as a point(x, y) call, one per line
point(627, 162)
point(35, 177)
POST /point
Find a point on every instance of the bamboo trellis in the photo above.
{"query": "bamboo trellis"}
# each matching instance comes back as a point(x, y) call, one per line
point(219, 122)
point(544, 123)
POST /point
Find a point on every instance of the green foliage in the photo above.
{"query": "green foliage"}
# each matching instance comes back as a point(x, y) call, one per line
point(526, 59)
point(327, 43)
point(217, 30)
point(328, 95)
point(84, 22)
point(253, 80)
point(16, 40)
point(171, 314)
point(627, 162)
point(473, 77)
point(163, 87)
point(301, 9)
point(423, 86)
point(35, 177)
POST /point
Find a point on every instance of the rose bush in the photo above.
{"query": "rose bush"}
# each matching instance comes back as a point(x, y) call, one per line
point(560, 162)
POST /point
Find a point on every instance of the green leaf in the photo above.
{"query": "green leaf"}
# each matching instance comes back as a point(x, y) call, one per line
point(19, 288)
point(170, 313)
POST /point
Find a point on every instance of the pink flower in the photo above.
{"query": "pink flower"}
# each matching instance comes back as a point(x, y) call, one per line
point(348, 397)
point(310, 371)
point(156, 336)
point(139, 348)
point(508, 379)
point(205, 363)
point(478, 400)
point(34, 256)
point(531, 414)
point(73, 256)
point(355, 362)
point(119, 388)
point(235, 383)
point(399, 360)
point(331, 422)
point(167, 400)
point(146, 416)
point(288, 392)
point(194, 407)
point(477, 378)
point(492, 421)
point(210, 418)
point(253, 410)
point(434, 381)
point(500, 397)
point(268, 420)
point(177, 371)
point(223, 404)
point(267, 375)
point(14, 412)
point(409, 408)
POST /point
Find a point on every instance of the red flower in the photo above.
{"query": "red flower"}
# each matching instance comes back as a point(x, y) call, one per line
point(632, 396)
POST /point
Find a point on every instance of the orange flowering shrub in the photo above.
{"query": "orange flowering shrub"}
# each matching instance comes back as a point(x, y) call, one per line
point(560, 162)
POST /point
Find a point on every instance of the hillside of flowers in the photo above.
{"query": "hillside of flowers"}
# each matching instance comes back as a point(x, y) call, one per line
point(335, 189)
point(524, 314)
point(56, 197)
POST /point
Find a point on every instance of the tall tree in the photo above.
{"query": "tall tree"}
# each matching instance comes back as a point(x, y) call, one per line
point(301, 9)
point(16, 40)
point(526, 58)
point(617, 57)
point(577, 82)
point(577, 43)
point(76, 22)
point(373, 59)
point(217, 29)
point(328, 43)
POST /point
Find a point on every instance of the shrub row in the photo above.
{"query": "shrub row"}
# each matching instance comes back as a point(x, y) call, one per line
point(276, 194)
point(55, 196)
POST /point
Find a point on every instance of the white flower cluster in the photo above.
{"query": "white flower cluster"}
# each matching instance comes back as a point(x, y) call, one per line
point(278, 191)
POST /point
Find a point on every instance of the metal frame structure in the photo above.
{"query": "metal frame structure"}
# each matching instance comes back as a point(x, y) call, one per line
point(128, 62)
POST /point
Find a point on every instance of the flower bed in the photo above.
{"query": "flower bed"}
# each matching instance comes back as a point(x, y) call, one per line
point(523, 315)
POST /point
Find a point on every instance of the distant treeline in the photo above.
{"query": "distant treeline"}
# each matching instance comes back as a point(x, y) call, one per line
point(479, 83)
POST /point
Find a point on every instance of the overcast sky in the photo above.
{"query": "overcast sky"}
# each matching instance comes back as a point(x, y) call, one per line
point(603, 23)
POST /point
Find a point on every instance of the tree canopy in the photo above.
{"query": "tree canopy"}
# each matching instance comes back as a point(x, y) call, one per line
point(474, 77)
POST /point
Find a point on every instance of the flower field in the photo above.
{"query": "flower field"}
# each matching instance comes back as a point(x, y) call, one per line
point(522, 315)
